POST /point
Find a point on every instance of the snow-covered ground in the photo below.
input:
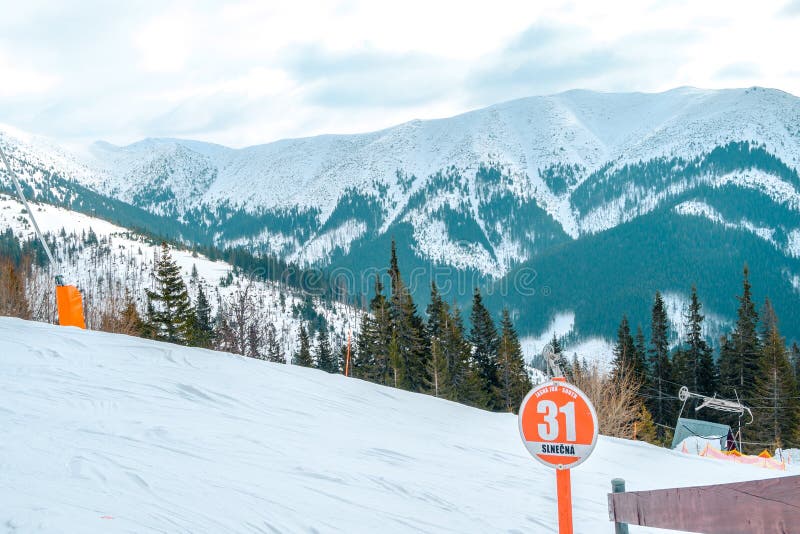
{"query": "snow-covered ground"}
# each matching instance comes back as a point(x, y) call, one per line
point(594, 350)
point(107, 433)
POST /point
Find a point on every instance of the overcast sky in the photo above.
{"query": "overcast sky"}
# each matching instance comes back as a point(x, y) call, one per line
point(248, 72)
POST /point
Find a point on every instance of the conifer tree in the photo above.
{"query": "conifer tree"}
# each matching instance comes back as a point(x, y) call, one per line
point(202, 327)
point(364, 357)
point(513, 378)
point(396, 362)
point(624, 352)
point(694, 363)
point(776, 410)
point(458, 352)
point(379, 337)
point(326, 360)
point(739, 363)
point(485, 341)
point(794, 357)
point(274, 352)
point(645, 427)
point(659, 366)
point(170, 312)
point(437, 381)
point(408, 329)
point(640, 352)
point(303, 356)
point(253, 347)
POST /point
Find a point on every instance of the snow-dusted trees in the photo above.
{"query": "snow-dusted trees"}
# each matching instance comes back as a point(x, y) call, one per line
point(169, 310)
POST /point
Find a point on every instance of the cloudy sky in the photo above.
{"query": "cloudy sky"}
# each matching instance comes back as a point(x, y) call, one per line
point(253, 71)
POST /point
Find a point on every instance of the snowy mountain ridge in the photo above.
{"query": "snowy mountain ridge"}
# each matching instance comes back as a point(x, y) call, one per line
point(544, 149)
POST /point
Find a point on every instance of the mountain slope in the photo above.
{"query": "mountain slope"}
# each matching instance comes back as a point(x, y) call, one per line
point(474, 199)
point(107, 433)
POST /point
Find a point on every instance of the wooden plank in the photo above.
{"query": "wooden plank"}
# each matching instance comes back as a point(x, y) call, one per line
point(768, 506)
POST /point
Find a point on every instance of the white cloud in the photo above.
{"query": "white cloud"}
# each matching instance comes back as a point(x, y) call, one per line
point(19, 80)
point(250, 71)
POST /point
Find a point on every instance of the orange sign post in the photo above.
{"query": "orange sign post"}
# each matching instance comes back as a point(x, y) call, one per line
point(558, 426)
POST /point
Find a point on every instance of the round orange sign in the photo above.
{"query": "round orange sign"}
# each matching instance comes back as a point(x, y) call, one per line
point(558, 424)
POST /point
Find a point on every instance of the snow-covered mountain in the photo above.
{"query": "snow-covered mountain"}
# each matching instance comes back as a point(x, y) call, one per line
point(487, 193)
point(108, 433)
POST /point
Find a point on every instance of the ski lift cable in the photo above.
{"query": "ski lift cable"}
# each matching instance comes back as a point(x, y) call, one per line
point(21, 194)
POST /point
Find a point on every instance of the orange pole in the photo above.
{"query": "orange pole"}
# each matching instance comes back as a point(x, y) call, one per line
point(347, 362)
point(564, 490)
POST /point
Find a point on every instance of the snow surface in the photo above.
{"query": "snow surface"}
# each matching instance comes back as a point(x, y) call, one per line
point(108, 433)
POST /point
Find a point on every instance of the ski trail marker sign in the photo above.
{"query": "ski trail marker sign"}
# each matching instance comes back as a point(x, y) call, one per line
point(558, 426)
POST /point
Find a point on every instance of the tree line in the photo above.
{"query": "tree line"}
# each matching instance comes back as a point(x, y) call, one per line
point(753, 364)
point(481, 366)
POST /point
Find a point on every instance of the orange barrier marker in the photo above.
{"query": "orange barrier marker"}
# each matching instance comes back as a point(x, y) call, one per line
point(70, 306)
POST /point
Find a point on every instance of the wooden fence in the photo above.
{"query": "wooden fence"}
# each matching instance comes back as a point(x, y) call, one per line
point(758, 506)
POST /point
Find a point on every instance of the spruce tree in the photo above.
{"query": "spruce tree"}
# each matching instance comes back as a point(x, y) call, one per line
point(739, 365)
point(170, 312)
point(364, 354)
point(458, 352)
point(326, 360)
point(437, 381)
point(794, 358)
point(379, 334)
point(303, 356)
point(202, 328)
point(776, 408)
point(694, 363)
point(408, 329)
point(274, 352)
point(659, 365)
point(485, 341)
point(513, 378)
point(624, 352)
point(640, 354)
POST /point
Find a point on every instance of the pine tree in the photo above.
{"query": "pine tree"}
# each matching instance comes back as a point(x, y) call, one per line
point(437, 381)
point(693, 365)
point(326, 360)
point(794, 357)
point(739, 364)
point(303, 356)
point(624, 352)
point(364, 356)
point(776, 410)
point(513, 378)
point(458, 353)
point(409, 330)
point(274, 352)
point(640, 353)
point(645, 427)
point(170, 312)
point(254, 342)
point(202, 328)
point(659, 366)
point(485, 341)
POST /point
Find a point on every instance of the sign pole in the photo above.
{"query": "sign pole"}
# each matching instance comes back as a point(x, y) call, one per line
point(558, 426)
point(564, 491)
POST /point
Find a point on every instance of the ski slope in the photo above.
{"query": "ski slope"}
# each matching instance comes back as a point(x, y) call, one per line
point(108, 433)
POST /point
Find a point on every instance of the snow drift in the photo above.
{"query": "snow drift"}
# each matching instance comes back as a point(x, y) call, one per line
point(108, 433)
